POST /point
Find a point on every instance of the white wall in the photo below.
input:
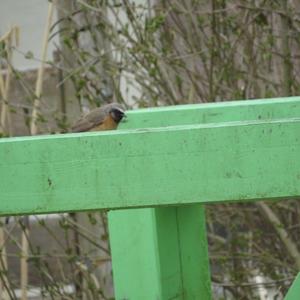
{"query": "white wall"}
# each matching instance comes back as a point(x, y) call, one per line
point(30, 16)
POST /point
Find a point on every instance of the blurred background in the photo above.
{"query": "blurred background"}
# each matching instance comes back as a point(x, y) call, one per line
point(62, 58)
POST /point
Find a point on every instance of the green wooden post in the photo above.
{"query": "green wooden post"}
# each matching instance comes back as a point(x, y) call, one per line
point(294, 291)
point(165, 250)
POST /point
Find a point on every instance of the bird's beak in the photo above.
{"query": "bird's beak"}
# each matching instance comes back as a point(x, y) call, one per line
point(124, 119)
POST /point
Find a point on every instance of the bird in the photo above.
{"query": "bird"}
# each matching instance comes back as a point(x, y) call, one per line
point(106, 117)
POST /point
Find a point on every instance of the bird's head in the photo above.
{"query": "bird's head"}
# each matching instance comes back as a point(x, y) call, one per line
point(117, 113)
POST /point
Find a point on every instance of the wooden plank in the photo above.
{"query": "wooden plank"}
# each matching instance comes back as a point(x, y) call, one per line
point(151, 167)
point(294, 291)
point(262, 109)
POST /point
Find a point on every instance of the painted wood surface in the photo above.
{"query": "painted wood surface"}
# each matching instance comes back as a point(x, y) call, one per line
point(195, 154)
point(241, 161)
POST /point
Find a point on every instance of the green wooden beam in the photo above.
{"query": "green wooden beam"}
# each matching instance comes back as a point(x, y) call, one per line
point(262, 109)
point(253, 160)
point(294, 291)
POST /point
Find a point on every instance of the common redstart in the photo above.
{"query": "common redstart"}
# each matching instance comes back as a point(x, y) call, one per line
point(106, 117)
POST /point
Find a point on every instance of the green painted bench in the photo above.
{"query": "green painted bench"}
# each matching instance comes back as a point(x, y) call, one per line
point(164, 163)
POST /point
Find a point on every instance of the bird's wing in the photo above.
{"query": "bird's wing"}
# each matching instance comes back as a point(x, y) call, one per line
point(92, 119)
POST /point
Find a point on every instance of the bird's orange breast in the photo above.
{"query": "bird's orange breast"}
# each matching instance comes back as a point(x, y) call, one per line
point(107, 124)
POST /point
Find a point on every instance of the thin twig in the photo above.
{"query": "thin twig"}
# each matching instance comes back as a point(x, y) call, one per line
point(282, 233)
point(39, 82)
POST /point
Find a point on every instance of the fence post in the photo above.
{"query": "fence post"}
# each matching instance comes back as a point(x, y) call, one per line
point(160, 253)
point(294, 291)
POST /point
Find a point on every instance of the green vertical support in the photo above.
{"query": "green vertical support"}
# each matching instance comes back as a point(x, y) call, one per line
point(294, 291)
point(160, 253)
point(133, 243)
point(194, 253)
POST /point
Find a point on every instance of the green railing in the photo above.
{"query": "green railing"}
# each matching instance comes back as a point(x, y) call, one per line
point(166, 163)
